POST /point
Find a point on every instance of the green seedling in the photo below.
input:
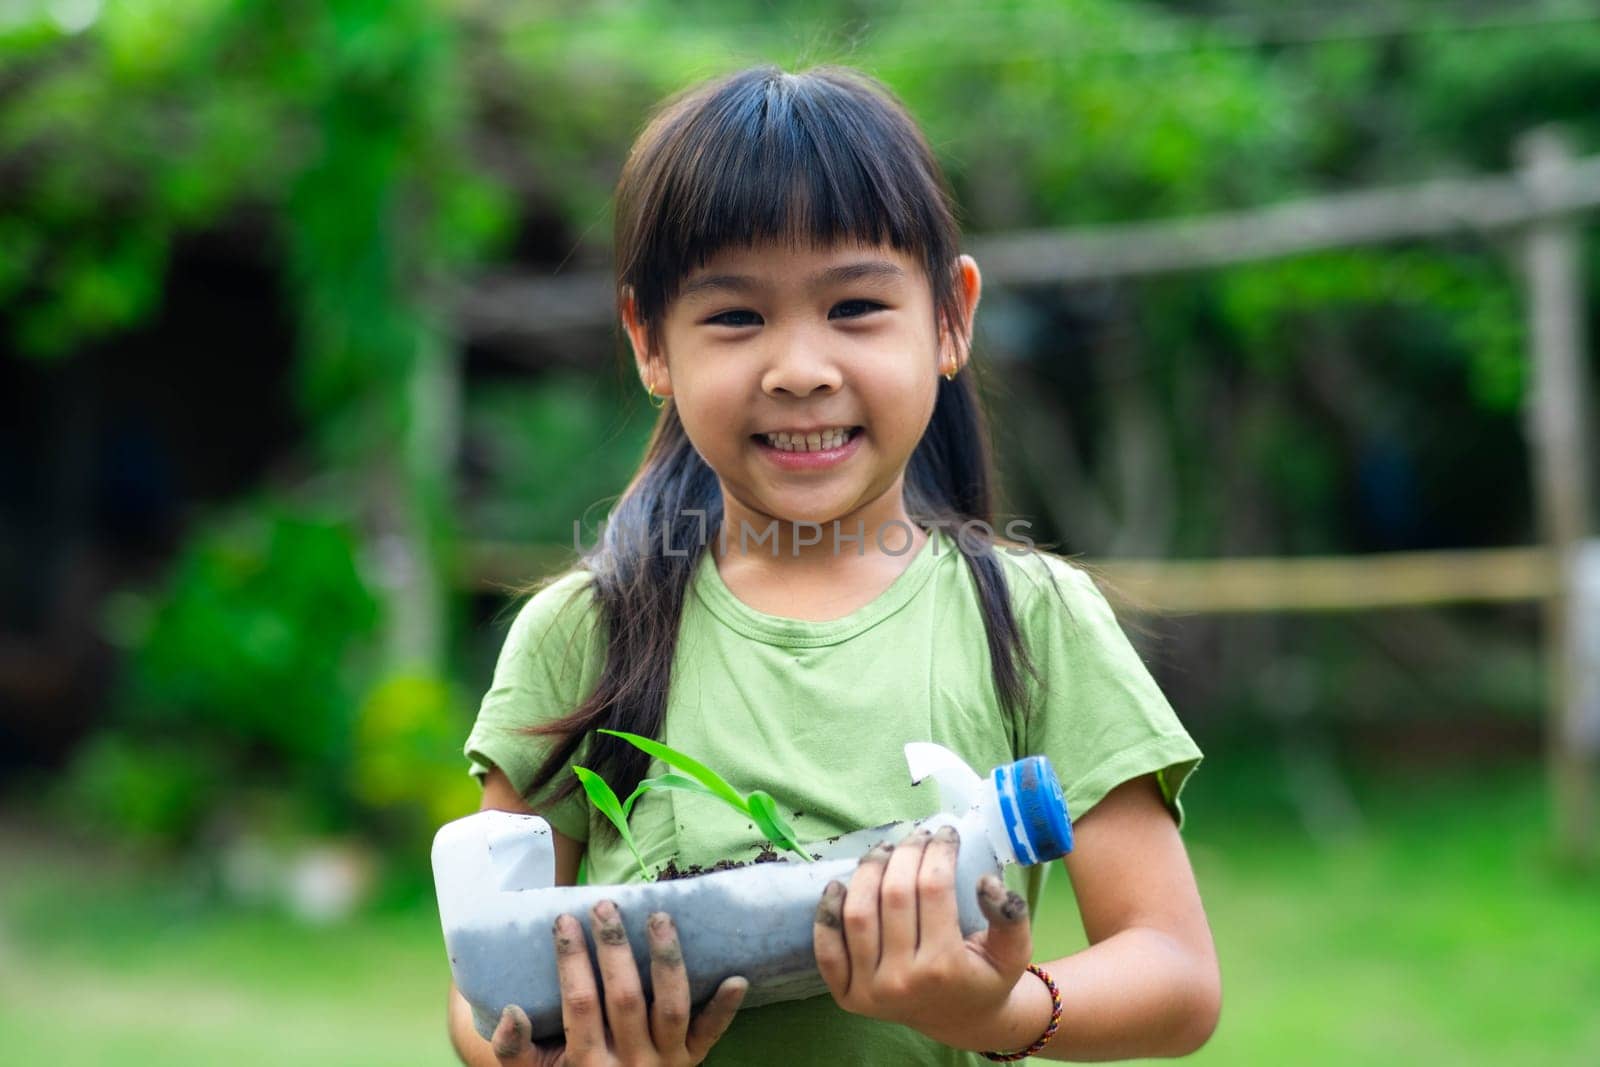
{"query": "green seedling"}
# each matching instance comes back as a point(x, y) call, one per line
point(758, 807)
point(605, 799)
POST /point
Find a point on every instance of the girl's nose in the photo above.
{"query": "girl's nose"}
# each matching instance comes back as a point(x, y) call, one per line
point(798, 365)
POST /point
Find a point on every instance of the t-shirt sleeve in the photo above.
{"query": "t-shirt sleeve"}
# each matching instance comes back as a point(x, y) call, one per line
point(549, 664)
point(1097, 712)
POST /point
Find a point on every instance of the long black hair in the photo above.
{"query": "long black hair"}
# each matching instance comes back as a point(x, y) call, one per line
point(815, 158)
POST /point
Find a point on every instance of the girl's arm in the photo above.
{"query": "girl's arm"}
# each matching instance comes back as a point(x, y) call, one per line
point(1147, 985)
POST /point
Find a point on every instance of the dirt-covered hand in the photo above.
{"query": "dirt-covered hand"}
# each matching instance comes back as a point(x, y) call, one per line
point(620, 1028)
point(889, 945)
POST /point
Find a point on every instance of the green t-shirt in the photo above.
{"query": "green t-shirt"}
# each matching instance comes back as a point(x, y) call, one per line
point(817, 714)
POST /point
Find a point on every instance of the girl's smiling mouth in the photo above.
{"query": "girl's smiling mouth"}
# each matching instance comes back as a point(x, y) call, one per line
point(809, 449)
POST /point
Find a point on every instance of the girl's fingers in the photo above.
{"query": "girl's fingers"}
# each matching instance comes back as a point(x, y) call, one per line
point(861, 936)
point(897, 901)
point(513, 1038)
point(1009, 938)
point(580, 1002)
point(669, 985)
point(827, 940)
point(619, 974)
point(936, 890)
point(709, 1026)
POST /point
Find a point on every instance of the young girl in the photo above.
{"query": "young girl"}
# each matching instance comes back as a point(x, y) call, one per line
point(803, 576)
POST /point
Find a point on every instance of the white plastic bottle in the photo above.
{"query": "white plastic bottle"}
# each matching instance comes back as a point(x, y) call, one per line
point(494, 873)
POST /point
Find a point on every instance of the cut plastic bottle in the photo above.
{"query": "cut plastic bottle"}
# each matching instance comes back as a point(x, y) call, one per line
point(494, 874)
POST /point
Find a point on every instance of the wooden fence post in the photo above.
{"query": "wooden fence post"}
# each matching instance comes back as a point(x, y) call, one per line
point(1556, 431)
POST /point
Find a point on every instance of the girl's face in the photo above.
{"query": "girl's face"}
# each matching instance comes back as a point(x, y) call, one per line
point(805, 378)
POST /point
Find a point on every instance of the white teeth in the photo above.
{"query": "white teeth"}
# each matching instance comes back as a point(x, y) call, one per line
point(809, 442)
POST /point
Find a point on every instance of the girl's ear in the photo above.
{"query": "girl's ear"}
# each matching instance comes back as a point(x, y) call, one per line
point(956, 349)
point(652, 370)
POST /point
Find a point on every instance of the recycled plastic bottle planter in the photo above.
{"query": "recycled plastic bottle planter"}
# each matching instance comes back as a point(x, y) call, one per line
point(494, 873)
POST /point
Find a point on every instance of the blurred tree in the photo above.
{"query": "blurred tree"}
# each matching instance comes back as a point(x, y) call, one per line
point(341, 121)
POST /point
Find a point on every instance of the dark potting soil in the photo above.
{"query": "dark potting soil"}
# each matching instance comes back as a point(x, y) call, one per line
point(672, 871)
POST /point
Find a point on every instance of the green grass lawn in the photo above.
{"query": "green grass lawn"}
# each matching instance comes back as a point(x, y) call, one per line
point(1436, 932)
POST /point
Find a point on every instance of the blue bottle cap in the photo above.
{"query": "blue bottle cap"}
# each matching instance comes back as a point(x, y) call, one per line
point(1034, 810)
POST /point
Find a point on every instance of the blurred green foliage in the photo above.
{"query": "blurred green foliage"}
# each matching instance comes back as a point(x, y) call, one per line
point(407, 766)
point(254, 635)
point(248, 664)
point(142, 788)
point(556, 451)
point(254, 667)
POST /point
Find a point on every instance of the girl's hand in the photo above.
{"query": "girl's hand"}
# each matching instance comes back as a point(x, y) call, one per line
point(662, 1035)
point(890, 946)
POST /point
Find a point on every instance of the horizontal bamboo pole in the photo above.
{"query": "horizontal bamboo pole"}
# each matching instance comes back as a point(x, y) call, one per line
point(1432, 209)
point(1332, 583)
point(1220, 586)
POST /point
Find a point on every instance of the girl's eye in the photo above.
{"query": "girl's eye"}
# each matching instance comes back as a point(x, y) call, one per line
point(854, 309)
point(734, 318)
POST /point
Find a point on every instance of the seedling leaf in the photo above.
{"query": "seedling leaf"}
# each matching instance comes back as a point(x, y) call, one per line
point(759, 806)
point(673, 758)
point(765, 812)
point(668, 781)
point(605, 800)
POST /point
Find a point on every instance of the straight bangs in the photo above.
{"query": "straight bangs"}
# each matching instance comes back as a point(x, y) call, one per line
point(816, 159)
